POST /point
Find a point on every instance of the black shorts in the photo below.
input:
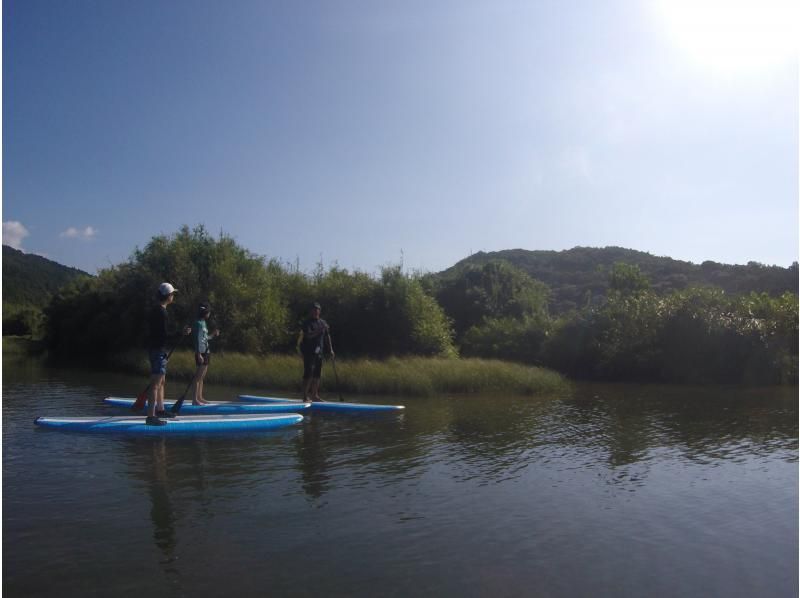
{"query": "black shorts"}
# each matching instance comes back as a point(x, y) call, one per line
point(312, 366)
point(204, 359)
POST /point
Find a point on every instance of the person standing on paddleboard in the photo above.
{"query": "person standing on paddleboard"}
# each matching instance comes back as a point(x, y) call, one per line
point(157, 353)
point(202, 351)
point(310, 344)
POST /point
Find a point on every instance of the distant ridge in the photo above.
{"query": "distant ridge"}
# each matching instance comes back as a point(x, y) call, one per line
point(575, 275)
point(31, 280)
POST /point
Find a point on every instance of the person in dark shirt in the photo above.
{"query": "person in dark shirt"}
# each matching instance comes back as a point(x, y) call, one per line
point(310, 344)
point(157, 353)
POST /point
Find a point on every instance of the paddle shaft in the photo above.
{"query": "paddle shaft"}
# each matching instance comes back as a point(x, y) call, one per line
point(335, 373)
point(179, 403)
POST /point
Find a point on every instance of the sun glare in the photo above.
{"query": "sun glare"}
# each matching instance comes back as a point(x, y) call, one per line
point(733, 35)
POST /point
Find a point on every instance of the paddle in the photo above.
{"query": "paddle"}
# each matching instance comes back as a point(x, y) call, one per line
point(179, 403)
point(141, 398)
point(335, 373)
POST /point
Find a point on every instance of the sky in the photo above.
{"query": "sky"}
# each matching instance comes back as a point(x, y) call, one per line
point(365, 133)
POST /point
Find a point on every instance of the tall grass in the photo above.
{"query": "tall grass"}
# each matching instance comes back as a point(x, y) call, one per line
point(401, 376)
point(22, 346)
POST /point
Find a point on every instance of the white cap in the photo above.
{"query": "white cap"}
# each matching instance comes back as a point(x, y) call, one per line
point(165, 289)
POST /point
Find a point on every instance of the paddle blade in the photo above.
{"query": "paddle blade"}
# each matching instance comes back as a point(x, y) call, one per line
point(141, 400)
point(179, 403)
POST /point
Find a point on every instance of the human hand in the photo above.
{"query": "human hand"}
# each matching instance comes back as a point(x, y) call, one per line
point(187, 331)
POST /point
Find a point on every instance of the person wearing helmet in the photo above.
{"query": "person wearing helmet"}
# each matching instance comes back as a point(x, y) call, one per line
point(202, 351)
point(157, 353)
point(310, 344)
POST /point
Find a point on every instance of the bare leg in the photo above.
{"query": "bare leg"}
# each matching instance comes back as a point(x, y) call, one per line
point(156, 391)
point(193, 392)
point(160, 397)
point(307, 389)
point(200, 386)
point(197, 386)
point(315, 389)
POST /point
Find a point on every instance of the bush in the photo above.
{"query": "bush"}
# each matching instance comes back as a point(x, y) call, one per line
point(506, 338)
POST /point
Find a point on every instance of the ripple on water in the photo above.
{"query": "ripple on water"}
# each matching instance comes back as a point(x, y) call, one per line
point(685, 492)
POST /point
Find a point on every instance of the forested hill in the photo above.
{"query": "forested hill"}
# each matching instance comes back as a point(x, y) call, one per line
point(31, 280)
point(575, 275)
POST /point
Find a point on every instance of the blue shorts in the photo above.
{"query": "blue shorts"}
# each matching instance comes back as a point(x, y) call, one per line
point(158, 362)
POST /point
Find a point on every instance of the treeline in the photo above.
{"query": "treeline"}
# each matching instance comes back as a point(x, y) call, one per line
point(258, 304)
point(489, 310)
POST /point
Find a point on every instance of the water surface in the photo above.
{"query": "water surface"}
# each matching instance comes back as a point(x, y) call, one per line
point(605, 491)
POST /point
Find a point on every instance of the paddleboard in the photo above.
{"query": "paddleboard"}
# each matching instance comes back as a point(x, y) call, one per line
point(198, 424)
point(219, 408)
point(323, 405)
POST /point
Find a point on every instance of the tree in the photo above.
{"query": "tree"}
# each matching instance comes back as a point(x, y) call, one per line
point(627, 279)
point(494, 290)
point(108, 313)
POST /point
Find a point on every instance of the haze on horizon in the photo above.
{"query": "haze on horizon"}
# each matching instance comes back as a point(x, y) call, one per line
point(363, 134)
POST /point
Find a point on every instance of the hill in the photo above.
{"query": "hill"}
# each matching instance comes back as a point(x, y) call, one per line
point(31, 279)
point(576, 275)
point(29, 282)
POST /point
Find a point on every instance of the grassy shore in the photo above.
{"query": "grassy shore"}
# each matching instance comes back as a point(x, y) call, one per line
point(22, 346)
point(401, 376)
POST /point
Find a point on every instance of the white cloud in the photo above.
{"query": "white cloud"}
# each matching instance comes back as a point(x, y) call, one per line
point(13, 233)
point(85, 234)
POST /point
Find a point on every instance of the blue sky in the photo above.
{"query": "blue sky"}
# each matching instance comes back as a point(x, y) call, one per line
point(366, 132)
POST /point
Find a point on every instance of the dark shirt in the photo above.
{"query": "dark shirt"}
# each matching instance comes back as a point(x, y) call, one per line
point(313, 336)
point(157, 341)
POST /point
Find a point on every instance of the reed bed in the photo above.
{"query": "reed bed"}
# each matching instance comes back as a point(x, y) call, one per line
point(399, 376)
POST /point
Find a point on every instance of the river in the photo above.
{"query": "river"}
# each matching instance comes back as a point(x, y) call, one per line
point(605, 491)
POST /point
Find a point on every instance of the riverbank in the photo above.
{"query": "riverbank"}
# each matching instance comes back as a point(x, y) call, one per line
point(399, 376)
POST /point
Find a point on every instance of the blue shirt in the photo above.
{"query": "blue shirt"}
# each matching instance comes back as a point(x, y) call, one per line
point(200, 337)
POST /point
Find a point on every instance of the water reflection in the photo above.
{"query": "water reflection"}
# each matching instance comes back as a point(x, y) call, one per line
point(462, 494)
point(312, 460)
point(161, 511)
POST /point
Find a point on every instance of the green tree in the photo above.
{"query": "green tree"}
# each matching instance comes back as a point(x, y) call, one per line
point(495, 289)
point(408, 320)
point(627, 279)
point(108, 313)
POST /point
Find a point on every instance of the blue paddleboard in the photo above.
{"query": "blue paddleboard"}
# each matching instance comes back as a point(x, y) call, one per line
point(198, 424)
point(228, 408)
point(323, 405)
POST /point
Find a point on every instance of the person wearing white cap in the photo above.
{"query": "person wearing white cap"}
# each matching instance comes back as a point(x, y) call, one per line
point(157, 353)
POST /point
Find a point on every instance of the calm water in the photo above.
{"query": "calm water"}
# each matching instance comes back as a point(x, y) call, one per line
point(610, 491)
